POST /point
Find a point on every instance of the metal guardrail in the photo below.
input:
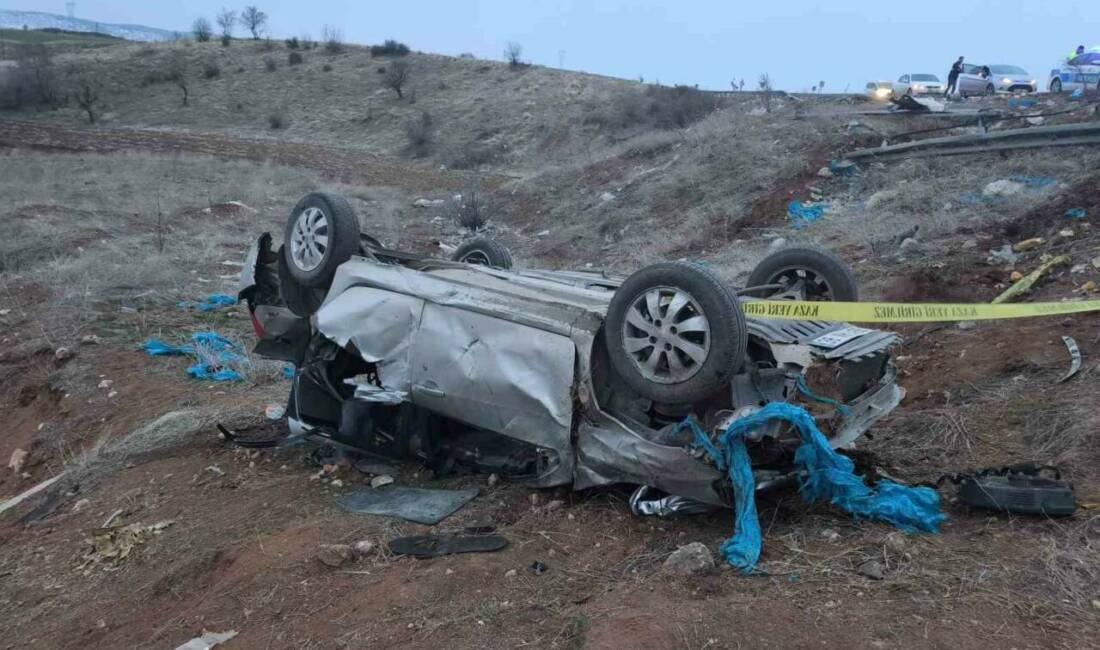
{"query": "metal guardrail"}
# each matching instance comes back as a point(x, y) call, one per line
point(1062, 135)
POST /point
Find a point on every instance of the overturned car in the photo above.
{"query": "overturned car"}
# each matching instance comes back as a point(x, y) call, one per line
point(553, 377)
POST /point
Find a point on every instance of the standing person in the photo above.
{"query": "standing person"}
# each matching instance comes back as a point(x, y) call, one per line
point(953, 77)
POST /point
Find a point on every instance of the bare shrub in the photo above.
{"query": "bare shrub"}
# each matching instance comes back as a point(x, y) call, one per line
point(294, 58)
point(202, 30)
point(333, 39)
point(765, 85)
point(278, 119)
point(395, 76)
point(420, 133)
point(211, 70)
point(389, 48)
point(270, 64)
point(177, 73)
point(293, 43)
point(85, 93)
point(655, 106)
point(254, 20)
point(326, 68)
point(227, 20)
point(512, 53)
point(469, 209)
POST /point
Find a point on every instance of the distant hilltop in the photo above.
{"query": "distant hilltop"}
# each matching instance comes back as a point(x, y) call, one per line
point(10, 19)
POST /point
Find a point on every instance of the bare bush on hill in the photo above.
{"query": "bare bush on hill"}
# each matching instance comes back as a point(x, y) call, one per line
point(333, 39)
point(177, 73)
point(227, 20)
point(202, 30)
point(293, 43)
point(512, 53)
point(395, 77)
point(294, 58)
point(473, 155)
point(420, 133)
point(211, 70)
point(765, 85)
point(278, 119)
point(270, 64)
point(389, 48)
point(468, 210)
point(656, 107)
point(254, 20)
point(85, 92)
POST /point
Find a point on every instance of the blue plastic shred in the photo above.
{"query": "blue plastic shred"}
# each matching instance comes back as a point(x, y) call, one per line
point(212, 302)
point(801, 215)
point(215, 355)
point(824, 475)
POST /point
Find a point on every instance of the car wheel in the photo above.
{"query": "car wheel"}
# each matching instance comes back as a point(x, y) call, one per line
point(1056, 86)
point(300, 300)
point(675, 333)
point(484, 252)
point(805, 273)
point(321, 234)
point(990, 90)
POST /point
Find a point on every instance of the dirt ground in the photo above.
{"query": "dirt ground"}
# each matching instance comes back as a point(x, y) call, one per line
point(240, 551)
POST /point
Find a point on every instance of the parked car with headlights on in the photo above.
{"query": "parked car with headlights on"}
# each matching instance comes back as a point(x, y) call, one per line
point(1012, 79)
point(880, 90)
point(917, 84)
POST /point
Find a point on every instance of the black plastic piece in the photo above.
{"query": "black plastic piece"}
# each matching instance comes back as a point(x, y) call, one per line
point(1019, 493)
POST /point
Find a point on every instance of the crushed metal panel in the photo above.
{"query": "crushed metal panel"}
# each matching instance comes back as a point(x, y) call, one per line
point(497, 375)
point(381, 324)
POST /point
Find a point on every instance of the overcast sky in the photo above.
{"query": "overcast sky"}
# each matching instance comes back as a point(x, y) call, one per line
point(704, 42)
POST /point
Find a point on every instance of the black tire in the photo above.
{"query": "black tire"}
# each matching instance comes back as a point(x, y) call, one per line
point(724, 344)
point(484, 252)
point(300, 300)
point(835, 282)
point(1056, 86)
point(341, 228)
point(990, 90)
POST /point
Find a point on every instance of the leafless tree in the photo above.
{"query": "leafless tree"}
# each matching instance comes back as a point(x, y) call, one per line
point(201, 29)
point(36, 65)
point(765, 84)
point(512, 53)
point(420, 132)
point(227, 20)
point(333, 39)
point(255, 20)
point(395, 77)
point(86, 93)
point(177, 72)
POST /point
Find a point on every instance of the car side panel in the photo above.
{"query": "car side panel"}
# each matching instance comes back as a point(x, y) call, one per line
point(495, 374)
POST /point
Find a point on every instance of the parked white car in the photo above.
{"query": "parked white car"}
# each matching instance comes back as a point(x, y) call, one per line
point(918, 84)
point(976, 80)
point(1012, 79)
point(880, 90)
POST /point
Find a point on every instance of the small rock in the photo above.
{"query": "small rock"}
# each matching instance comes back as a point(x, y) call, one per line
point(1096, 604)
point(1088, 287)
point(1095, 262)
point(970, 243)
point(493, 480)
point(1003, 187)
point(1035, 121)
point(551, 506)
point(830, 534)
point(825, 172)
point(449, 571)
point(363, 547)
point(106, 383)
point(896, 542)
point(63, 354)
point(80, 505)
point(776, 244)
point(1002, 256)
point(379, 481)
point(510, 573)
point(274, 412)
point(689, 559)
point(427, 203)
point(1066, 233)
point(967, 324)
point(607, 196)
point(334, 483)
point(18, 458)
point(334, 555)
point(1016, 276)
point(543, 233)
point(909, 243)
point(89, 339)
point(872, 569)
point(1028, 244)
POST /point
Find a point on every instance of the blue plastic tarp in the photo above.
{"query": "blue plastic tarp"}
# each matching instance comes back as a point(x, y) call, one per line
point(824, 475)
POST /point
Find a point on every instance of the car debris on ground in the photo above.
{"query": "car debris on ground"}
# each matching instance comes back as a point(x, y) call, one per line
point(208, 640)
point(419, 505)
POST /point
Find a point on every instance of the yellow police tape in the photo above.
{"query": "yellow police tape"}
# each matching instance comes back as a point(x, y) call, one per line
point(902, 312)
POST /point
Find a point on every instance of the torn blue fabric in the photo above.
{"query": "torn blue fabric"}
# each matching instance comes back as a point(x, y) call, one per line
point(215, 355)
point(213, 301)
point(823, 475)
point(801, 215)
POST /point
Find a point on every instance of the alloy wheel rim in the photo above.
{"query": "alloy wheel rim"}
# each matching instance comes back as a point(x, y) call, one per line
point(666, 335)
point(309, 240)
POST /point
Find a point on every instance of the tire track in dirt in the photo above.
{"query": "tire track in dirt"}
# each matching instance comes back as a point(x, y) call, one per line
point(340, 164)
